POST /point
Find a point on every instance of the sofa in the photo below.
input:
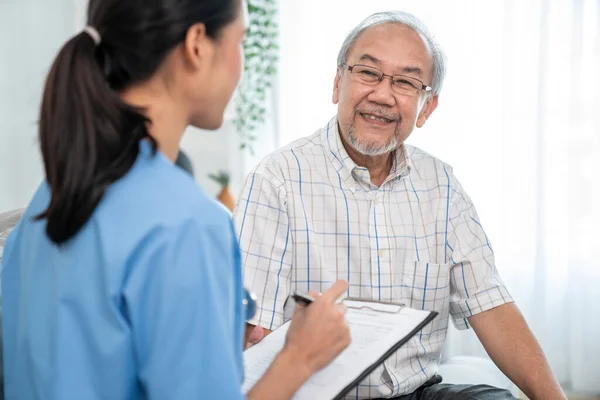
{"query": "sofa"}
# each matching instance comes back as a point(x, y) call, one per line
point(8, 220)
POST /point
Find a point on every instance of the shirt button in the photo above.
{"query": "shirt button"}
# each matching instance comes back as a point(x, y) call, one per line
point(381, 253)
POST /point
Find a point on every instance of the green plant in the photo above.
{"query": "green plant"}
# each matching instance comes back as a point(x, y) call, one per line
point(222, 178)
point(261, 56)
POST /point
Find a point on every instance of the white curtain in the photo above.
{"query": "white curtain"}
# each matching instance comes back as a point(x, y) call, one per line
point(519, 121)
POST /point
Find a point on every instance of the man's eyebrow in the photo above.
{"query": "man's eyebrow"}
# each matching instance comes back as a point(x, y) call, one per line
point(368, 57)
point(413, 70)
point(406, 70)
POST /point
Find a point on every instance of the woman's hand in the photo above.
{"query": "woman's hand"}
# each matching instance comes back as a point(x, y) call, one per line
point(317, 335)
point(318, 332)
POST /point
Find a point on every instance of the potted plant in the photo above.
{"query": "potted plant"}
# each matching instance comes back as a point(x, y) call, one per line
point(224, 196)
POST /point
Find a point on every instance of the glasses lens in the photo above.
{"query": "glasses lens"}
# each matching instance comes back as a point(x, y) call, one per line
point(407, 85)
point(366, 74)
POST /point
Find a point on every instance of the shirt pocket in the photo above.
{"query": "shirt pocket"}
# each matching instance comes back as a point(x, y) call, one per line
point(423, 285)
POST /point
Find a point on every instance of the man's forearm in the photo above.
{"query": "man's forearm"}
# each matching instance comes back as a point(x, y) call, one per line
point(510, 343)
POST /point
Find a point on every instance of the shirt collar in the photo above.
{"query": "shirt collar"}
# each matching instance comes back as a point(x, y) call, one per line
point(351, 173)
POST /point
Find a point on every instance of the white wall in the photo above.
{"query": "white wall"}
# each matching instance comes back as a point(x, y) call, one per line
point(31, 34)
point(312, 32)
point(212, 151)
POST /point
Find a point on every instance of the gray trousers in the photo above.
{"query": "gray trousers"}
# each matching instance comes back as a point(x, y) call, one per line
point(435, 390)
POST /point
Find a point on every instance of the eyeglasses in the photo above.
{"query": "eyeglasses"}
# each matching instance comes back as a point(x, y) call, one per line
point(401, 84)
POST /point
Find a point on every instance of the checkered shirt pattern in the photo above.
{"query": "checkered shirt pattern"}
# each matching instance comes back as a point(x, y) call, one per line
point(308, 216)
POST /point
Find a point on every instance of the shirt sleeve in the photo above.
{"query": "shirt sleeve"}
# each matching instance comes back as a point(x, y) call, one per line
point(266, 245)
point(475, 284)
point(180, 298)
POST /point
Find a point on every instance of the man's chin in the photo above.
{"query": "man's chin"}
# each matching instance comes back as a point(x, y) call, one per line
point(373, 149)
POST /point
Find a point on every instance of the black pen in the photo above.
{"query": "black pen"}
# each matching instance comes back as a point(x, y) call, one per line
point(302, 298)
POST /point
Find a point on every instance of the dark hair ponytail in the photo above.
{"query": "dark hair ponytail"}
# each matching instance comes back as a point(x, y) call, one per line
point(89, 137)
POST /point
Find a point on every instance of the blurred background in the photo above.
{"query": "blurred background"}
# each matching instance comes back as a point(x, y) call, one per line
point(519, 120)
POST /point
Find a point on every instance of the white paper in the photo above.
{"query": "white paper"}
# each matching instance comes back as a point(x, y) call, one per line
point(374, 329)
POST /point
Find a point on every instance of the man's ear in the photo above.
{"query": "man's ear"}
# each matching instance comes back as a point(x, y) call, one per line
point(336, 87)
point(196, 45)
point(430, 105)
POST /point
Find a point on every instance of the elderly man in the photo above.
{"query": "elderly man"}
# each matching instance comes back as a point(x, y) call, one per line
point(354, 202)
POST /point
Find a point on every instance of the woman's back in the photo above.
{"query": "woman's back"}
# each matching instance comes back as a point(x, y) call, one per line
point(123, 280)
point(124, 306)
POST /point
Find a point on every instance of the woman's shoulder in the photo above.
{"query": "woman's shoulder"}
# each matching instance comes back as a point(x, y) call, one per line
point(161, 191)
point(155, 202)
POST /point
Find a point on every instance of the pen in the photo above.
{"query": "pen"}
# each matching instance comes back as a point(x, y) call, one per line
point(302, 298)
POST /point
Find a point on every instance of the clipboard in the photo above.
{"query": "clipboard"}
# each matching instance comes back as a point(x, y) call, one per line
point(372, 304)
point(307, 299)
point(366, 372)
point(380, 334)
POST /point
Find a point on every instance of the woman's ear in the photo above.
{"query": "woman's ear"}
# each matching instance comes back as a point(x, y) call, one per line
point(197, 45)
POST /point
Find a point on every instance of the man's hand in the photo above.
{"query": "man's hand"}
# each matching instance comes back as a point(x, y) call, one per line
point(254, 334)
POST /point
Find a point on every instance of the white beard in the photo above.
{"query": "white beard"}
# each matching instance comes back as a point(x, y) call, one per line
point(372, 149)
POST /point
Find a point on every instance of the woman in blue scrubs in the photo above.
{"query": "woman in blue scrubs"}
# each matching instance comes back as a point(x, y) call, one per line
point(123, 278)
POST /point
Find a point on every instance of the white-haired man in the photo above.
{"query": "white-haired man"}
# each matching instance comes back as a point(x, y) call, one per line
point(354, 202)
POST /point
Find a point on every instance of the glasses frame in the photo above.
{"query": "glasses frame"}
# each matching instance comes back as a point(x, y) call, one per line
point(423, 88)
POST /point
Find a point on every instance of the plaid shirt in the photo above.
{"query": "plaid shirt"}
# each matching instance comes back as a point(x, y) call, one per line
point(308, 216)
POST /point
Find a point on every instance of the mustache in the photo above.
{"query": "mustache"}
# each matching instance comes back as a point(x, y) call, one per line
point(377, 111)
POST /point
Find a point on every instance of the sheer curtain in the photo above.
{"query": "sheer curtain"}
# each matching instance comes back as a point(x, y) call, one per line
point(518, 120)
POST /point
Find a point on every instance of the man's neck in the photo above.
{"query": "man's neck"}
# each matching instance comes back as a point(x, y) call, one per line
point(379, 166)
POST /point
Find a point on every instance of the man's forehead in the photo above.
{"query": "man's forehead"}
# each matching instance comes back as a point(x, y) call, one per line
point(394, 44)
point(406, 69)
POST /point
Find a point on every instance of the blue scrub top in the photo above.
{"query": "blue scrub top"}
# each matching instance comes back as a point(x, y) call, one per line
point(144, 302)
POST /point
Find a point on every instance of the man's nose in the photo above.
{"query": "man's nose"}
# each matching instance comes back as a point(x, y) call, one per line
point(383, 93)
